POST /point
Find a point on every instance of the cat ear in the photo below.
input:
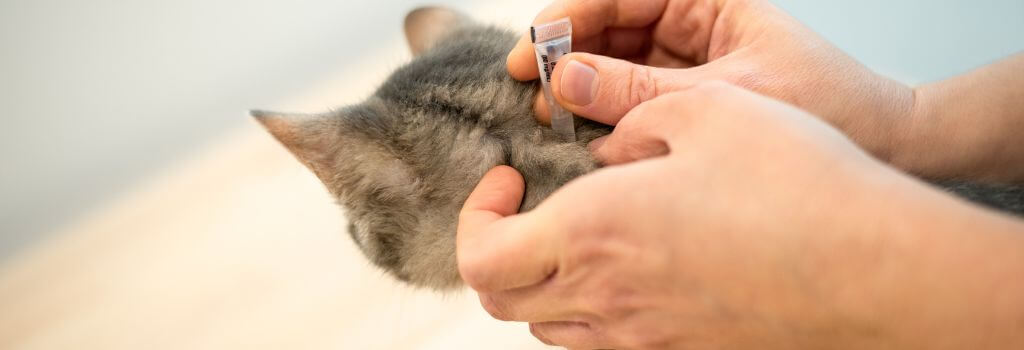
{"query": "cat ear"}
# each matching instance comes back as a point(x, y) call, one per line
point(426, 25)
point(312, 138)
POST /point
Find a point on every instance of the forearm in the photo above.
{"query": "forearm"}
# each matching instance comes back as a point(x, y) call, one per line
point(968, 127)
point(940, 274)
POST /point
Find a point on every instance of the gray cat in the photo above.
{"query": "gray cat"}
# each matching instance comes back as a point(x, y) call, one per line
point(403, 162)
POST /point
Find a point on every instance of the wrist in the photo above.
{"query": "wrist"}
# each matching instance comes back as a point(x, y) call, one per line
point(912, 149)
point(876, 112)
point(894, 109)
point(932, 143)
point(967, 127)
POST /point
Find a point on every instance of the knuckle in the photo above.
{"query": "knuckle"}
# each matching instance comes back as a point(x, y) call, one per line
point(590, 240)
point(472, 272)
point(642, 85)
point(496, 308)
point(608, 309)
point(474, 278)
point(702, 95)
point(614, 303)
point(650, 116)
point(538, 332)
point(713, 87)
point(643, 337)
point(637, 120)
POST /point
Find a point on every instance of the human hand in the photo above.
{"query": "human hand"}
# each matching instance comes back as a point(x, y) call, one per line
point(614, 261)
point(730, 220)
point(669, 45)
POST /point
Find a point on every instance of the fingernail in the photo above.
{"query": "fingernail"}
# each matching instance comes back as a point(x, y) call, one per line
point(579, 83)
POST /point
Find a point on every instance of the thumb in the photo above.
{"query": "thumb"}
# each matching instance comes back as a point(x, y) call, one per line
point(496, 249)
point(604, 89)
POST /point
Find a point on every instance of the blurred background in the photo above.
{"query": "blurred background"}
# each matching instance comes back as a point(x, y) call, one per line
point(99, 95)
point(111, 106)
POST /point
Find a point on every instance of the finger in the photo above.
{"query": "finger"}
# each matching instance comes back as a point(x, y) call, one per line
point(521, 62)
point(667, 123)
point(653, 128)
point(621, 43)
point(540, 109)
point(658, 56)
point(625, 42)
point(550, 300)
point(591, 17)
point(589, 21)
point(499, 194)
point(603, 89)
point(495, 251)
point(617, 43)
point(573, 335)
point(625, 145)
point(529, 304)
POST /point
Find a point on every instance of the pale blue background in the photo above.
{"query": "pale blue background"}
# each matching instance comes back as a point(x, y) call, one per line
point(97, 95)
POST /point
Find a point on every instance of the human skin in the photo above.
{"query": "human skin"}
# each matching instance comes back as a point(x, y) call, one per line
point(641, 49)
point(772, 231)
point(729, 220)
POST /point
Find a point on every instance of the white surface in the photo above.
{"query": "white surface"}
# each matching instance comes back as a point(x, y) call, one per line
point(239, 249)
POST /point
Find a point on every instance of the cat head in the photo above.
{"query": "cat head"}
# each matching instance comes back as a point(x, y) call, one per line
point(402, 162)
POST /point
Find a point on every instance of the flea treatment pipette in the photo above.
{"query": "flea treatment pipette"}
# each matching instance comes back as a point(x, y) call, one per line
point(550, 42)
